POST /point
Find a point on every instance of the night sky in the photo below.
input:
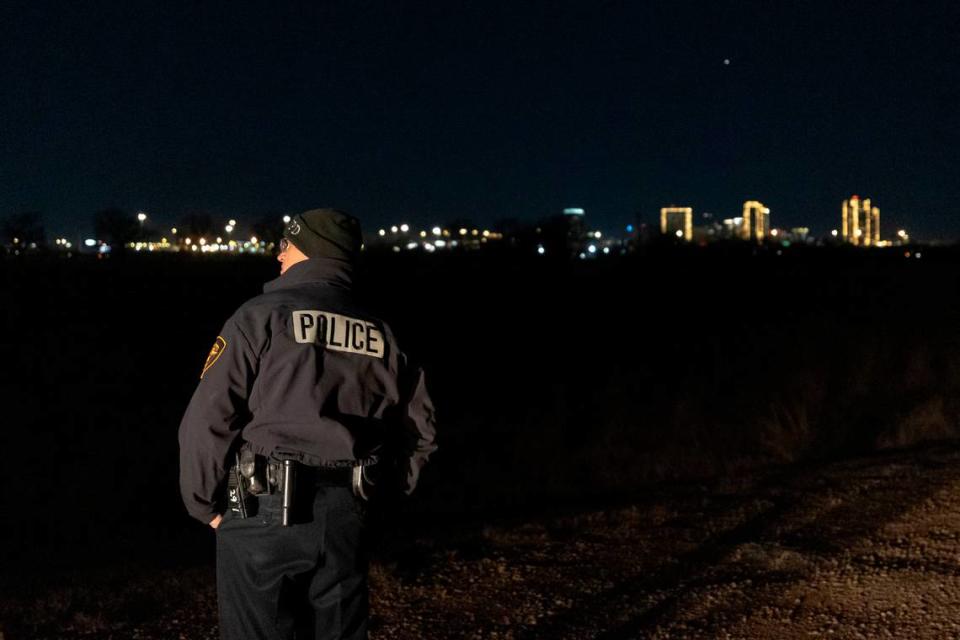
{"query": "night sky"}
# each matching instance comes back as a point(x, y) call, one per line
point(431, 111)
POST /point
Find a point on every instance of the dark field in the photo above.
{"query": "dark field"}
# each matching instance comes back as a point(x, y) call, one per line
point(558, 386)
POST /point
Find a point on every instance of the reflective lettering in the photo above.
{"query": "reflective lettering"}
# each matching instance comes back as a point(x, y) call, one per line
point(332, 340)
point(372, 347)
point(321, 335)
point(353, 342)
point(307, 322)
point(338, 333)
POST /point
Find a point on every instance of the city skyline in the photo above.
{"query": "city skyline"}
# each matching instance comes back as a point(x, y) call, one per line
point(695, 218)
point(859, 226)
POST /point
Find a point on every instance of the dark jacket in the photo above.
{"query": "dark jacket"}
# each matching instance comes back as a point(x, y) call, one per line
point(303, 372)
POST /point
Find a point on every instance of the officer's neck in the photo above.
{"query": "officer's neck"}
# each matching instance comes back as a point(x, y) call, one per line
point(315, 270)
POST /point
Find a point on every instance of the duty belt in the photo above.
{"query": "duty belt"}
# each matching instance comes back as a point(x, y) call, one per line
point(320, 476)
point(256, 475)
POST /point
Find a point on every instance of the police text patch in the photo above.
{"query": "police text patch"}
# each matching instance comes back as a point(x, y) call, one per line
point(338, 333)
point(215, 352)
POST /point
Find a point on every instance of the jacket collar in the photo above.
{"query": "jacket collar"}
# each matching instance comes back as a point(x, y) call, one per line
point(323, 271)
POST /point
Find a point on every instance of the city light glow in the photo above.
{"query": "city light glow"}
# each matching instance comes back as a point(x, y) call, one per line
point(756, 211)
point(687, 212)
point(860, 222)
point(860, 226)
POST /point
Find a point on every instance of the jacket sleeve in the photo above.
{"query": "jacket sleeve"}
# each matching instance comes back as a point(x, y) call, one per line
point(217, 412)
point(419, 426)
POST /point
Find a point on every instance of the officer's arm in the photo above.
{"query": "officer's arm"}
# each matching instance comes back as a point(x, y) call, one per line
point(212, 422)
point(418, 424)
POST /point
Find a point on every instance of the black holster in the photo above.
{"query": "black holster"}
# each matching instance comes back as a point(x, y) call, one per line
point(249, 476)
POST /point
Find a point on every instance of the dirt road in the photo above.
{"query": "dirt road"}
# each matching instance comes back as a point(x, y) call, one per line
point(863, 548)
point(866, 548)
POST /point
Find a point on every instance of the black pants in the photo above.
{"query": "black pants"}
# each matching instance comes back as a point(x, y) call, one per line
point(308, 580)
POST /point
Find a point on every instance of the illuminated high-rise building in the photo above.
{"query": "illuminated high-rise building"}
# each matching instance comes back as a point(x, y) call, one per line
point(756, 221)
point(860, 224)
point(668, 216)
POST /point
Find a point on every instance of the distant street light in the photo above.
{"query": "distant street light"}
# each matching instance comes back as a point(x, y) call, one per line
point(141, 217)
point(286, 219)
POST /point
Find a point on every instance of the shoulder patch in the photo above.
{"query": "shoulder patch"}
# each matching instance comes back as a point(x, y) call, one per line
point(215, 352)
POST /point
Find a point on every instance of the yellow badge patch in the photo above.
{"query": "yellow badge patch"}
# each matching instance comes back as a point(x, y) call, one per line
point(215, 352)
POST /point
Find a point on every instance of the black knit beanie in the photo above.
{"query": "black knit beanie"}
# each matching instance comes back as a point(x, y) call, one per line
point(325, 233)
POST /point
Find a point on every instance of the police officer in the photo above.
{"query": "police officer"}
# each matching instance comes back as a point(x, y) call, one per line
point(303, 397)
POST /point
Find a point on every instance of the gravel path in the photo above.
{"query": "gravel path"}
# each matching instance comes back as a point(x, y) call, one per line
point(864, 548)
